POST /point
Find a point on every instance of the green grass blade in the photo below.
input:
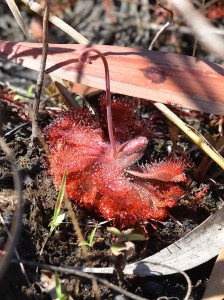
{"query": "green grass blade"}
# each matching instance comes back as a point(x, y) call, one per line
point(59, 293)
point(92, 235)
point(55, 220)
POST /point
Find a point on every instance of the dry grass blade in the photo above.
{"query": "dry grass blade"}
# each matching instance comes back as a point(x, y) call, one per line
point(34, 6)
point(193, 135)
point(16, 13)
point(25, 29)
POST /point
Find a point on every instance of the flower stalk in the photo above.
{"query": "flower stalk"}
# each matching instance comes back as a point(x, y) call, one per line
point(108, 94)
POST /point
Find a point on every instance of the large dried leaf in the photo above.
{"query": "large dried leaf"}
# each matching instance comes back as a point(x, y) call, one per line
point(163, 77)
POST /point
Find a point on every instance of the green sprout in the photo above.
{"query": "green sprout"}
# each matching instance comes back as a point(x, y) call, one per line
point(57, 217)
point(59, 293)
point(123, 239)
point(28, 93)
point(90, 242)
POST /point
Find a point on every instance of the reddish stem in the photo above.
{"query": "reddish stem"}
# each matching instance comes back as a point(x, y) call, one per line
point(108, 94)
point(9, 99)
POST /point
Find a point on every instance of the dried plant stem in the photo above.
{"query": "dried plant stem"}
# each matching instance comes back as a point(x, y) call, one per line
point(16, 13)
point(156, 37)
point(193, 135)
point(34, 115)
point(108, 94)
point(209, 3)
point(17, 221)
point(202, 9)
point(78, 272)
point(78, 231)
point(165, 26)
point(200, 26)
point(27, 32)
point(180, 29)
point(18, 257)
point(34, 6)
point(75, 224)
point(40, 78)
point(38, 133)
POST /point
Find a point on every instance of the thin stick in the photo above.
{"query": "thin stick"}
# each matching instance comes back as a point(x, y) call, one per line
point(17, 221)
point(156, 37)
point(40, 78)
point(194, 136)
point(16, 13)
point(18, 257)
point(164, 26)
point(209, 3)
point(78, 272)
point(78, 231)
point(27, 32)
point(200, 26)
point(75, 224)
point(34, 6)
point(34, 114)
point(202, 9)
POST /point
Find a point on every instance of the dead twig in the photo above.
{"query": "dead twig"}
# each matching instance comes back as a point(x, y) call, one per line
point(16, 13)
point(200, 26)
point(202, 10)
point(80, 239)
point(75, 224)
point(40, 78)
point(80, 273)
point(34, 6)
point(18, 257)
point(27, 32)
point(192, 134)
point(165, 26)
point(17, 221)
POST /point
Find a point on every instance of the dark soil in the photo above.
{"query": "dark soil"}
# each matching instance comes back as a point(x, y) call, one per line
point(61, 248)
